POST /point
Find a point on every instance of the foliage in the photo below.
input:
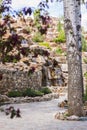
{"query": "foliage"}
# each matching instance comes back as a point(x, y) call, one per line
point(59, 50)
point(45, 44)
point(66, 115)
point(85, 95)
point(31, 71)
point(61, 37)
point(29, 92)
point(85, 75)
point(32, 93)
point(85, 60)
point(41, 21)
point(38, 37)
point(59, 26)
point(15, 61)
point(14, 40)
point(5, 6)
point(37, 17)
point(7, 45)
point(84, 44)
point(2, 29)
point(14, 94)
point(45, 90)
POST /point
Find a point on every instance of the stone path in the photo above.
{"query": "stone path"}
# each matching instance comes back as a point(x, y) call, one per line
point(39, 116)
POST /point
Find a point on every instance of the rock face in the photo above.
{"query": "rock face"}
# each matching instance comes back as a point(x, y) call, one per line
point(36, 66)
point(52, 76)
point(52, 31)
point(36, 70)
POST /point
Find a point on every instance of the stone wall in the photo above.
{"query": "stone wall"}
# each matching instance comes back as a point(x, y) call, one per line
point(13, 79)
point(39, 68)
point(18, 80)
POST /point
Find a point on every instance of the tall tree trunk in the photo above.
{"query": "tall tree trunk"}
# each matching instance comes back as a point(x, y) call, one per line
point(72, 19)
point(0, 11)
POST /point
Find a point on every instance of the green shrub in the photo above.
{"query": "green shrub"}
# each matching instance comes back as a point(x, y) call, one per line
point(29, 92)
point(59, 26)
point(45, 44)
point(61, 37)
point(45, 90)
point(65, 53)
point(32, 93)
point(37, 19)
point(59, 50)
point(15, 61)
point(85, 60)
point(10, 58)
point(38, 37)
point(85, 95)
point(85, 75)
point(38, 93)
point(14, 94)
point(84, 44)
point(6, 58)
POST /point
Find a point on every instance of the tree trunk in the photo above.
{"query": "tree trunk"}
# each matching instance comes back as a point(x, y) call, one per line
point(72, 19)
point(0, 11)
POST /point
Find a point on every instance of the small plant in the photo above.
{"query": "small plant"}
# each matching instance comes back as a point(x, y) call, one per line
point(31, 71)
point(7, 58)
point(10, 110)
point(14, 94)
point(29, 92)
point(32, 93)
point(85, 95)
point(85, 75)
point(59, 26)
point(10, 58)
point(84, 44)
point(41, 21)
point(59, 51)
point(14, 61)
point(61, 37)
point(85, 60)
point(65, 53)
point(66, 114)
point(45, 90)
point(45, 44)
point(38, 37)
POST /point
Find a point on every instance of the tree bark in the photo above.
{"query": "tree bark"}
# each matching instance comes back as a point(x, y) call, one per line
point(72, 20)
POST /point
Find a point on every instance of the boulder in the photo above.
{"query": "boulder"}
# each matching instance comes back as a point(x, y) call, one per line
point(73, 118)
point(3, 98)
point(63, 104)
point(60, 116)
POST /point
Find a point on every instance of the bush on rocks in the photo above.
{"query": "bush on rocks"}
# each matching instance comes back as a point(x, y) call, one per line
point(14, 94)
point(85, 95)
point(61, 37)
point(38, 37)
point(45, 90)
point(28, 92)
point(32, 93)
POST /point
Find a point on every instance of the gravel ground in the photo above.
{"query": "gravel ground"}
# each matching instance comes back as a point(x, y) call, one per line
point(39, 116)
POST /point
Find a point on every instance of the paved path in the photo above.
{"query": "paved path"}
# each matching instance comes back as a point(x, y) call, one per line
point(39, 116)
